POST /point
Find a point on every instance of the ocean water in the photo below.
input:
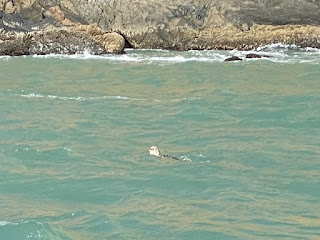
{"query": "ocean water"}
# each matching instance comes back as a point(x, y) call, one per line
point(75, 133)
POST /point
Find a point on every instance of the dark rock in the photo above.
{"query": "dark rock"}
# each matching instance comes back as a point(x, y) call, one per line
point(1, 21)
point(254, 55)
point(14, 45)
point(233, 58)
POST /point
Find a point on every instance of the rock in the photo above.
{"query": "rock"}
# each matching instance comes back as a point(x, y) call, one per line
point(14, 45)
point(56, 13)
point(254, 55)
point(112, 42)
point(63, 42)
point(57, 42)
point(201, 24)
point(233, 58)
point(54, 34)
point(180, 25)
point(8, 6)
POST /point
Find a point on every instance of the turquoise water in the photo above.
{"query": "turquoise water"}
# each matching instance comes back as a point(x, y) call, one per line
point(75, 133)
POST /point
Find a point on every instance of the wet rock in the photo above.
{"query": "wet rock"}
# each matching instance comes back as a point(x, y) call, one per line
point(254, 55)
point(233, 58)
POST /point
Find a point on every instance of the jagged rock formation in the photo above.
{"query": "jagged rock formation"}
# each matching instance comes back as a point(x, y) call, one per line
point(36, 30)
point(179, 24)
point(48, 42)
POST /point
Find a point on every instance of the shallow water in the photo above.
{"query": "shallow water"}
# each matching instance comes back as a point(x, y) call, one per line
point(75, 133)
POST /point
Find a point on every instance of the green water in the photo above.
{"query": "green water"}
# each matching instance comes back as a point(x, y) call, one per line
point(75, 134)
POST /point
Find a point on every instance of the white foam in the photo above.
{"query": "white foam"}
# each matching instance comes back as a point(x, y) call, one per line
point(278, 52)
point(5, 58)
point(119, 97)
point(79, 98)
point(67, 149)
point(4, 223)
point(146, 50)
point(310, 49)
point(202, 155)
point(276, 46)
point(145, 56)
point(191, 99)
point(31, 95)
point(186, 158)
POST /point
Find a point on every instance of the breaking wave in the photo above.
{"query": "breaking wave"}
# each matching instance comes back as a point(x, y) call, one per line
point(81, 98)
point(275, 52)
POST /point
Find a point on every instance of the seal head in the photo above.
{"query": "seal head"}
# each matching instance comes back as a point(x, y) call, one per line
point(155, 151)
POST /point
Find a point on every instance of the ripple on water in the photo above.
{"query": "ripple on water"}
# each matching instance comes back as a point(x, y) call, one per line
point(29, 230)
point(74, 146)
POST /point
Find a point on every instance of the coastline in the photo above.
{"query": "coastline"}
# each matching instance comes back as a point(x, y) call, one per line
point(46, 27)
point(230, 37)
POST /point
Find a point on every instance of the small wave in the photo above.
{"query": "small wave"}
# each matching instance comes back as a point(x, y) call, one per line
point(186, 158)
point(191, 99)
point(310, 49)
point(35, 95)
point(5, 58)
point(23, 149)
point(277, 52)
point(29, 229)
point(128, 50)
point(86, 56)
point(200, 158)
point(276, 47)
point(121, 98)
point(4, 223)
point(67, 149)
point(202, 155)
point(149, 56)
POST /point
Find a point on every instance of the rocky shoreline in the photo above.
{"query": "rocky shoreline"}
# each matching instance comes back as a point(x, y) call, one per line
point(100, 27)
point(60, 41)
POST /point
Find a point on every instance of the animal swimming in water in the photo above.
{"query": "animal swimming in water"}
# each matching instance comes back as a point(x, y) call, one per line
point(155, 151)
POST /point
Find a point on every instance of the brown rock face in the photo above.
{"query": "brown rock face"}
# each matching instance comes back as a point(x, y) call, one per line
point(48, 42)
point(112, 42)
point(201, 24)
point(34, 27)
point(74, 40)
point(179, 24)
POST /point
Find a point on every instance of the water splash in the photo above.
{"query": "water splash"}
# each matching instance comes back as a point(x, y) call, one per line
point(277, 52)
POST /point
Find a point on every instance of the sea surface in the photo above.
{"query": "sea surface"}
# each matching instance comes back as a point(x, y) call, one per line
point(75, 133)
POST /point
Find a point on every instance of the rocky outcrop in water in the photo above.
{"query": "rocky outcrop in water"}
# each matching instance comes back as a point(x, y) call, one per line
point(232, 59)
point(254, 55)
point(178, 25)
